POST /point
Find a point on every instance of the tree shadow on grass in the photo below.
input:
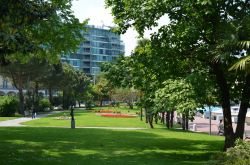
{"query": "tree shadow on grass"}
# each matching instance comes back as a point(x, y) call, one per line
point(98, 146)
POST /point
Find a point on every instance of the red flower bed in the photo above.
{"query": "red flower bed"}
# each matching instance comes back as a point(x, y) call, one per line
point(117, 115)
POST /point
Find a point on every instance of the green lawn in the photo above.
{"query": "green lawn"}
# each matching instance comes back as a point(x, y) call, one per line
point(45, 146)
point(7, 118)
point(90, 119)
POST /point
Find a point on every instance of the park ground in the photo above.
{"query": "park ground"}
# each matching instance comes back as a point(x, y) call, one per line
point(49, 140)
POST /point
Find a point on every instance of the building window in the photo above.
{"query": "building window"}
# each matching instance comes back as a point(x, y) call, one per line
point(5, 84)
point(100, 51)
point(86, 50)
point(74, 63)
point(104, 58)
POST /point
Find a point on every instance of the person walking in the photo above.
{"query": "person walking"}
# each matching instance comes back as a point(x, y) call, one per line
point(221, 128)
point(33, 112)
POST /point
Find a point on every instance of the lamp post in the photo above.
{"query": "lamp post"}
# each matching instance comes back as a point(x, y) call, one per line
point(209, 120)
point(73, 124)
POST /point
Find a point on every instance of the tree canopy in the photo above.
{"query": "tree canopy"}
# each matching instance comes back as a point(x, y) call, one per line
point(202, 35)
point(41, 28)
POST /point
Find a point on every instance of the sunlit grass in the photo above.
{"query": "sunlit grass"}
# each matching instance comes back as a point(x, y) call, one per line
point(91, 119)
point(7, 118)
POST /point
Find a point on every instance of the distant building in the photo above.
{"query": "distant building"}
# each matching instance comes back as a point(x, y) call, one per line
point(100, 45)
point(6, 87)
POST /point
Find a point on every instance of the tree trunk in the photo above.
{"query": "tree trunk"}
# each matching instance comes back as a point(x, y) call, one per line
point(50, 95)
point(150, 120)
point(172, 119)
point(101, 102)
point(72, 117)
point(239, 133)
point(186, 121)
point(156, 117)
point(183, 122)
point(21, 101)
point(225, 103)
point(167, 119)
point(65, 100)
point(36, 100)
point(163, 117)
point(141, 114)
point(146, 115)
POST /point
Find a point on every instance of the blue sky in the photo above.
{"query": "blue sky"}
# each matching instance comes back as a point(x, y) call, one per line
point(97, 13)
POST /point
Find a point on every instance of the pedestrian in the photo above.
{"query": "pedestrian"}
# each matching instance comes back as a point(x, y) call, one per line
point(33, 112)
point(221, 128)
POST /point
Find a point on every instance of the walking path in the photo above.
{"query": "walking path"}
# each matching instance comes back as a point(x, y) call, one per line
point(202, 125)
point(17, 122)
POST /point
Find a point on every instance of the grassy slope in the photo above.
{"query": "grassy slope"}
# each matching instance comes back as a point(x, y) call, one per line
point(31, 145)
point(84, 119)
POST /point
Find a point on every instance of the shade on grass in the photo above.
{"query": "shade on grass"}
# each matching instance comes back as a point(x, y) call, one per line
point(32, 145)
point(88, 119)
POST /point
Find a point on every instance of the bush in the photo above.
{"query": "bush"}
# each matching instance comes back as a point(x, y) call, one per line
point(43, 104)
point(8, 106)
point(238, 155)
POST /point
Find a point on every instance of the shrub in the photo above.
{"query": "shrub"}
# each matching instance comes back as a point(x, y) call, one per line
point(8, 106)
point(238, 155)
point(44, 103)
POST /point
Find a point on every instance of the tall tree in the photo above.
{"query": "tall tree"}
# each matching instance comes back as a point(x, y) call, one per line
point(204, 31)
point(21, 75)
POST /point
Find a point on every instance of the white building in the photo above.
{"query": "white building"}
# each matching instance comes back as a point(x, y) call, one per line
point(6, 87)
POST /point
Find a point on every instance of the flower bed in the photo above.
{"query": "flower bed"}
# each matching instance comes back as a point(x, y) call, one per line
point(105, 111)
point(115, 115)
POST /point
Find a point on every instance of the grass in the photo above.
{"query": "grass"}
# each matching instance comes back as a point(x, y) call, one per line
point(7, 118)
point(33, 145)
point(90, 119)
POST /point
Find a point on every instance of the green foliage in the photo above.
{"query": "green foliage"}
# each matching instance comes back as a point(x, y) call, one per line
point(176, 94)
point(238, 155)
point(102, 88)
point(204, 35)
point(8, 106)
point(57, 100)
point(27, 28)
point(73, 83)
point(43, 104)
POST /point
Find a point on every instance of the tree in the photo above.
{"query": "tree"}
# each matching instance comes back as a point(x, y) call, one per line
point(41, 28)
point(127, 95)
point(204, 32)
point(179, 95)
point(22, 75)
point(102, 88)
point(73, 84)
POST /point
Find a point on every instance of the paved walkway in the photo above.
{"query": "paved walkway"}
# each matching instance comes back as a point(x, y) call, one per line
point(202, 125)
point(17, 122)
